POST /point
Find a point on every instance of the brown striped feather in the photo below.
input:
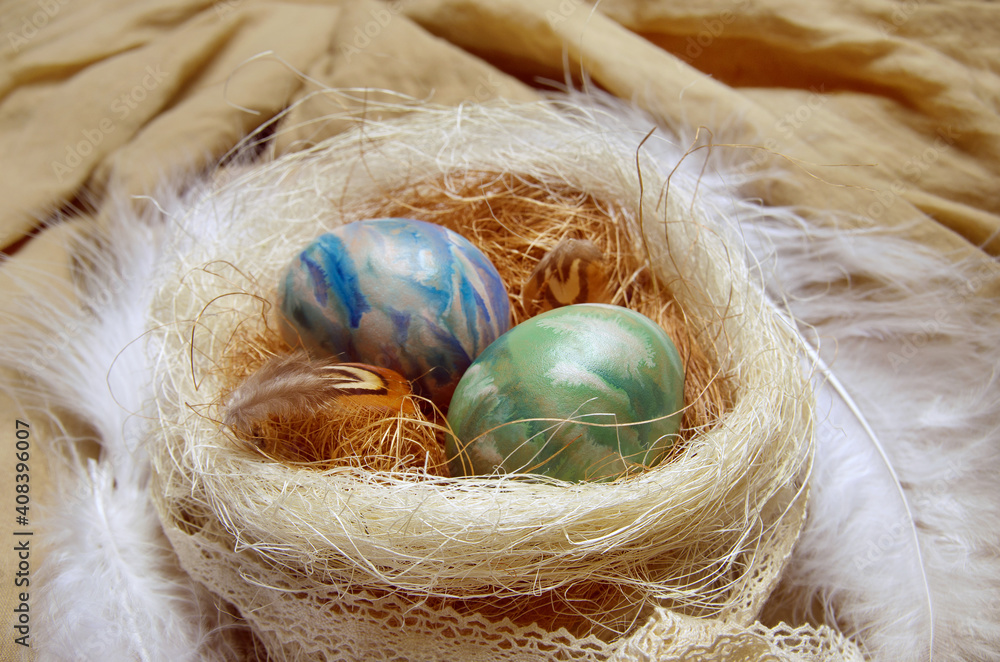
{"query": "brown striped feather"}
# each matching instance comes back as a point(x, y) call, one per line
point(575, 271)
point(294, 384)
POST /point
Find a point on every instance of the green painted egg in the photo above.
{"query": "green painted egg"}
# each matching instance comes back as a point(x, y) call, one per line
point(583, 392)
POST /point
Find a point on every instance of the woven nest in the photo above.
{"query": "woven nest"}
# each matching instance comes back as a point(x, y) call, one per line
point(325, 546)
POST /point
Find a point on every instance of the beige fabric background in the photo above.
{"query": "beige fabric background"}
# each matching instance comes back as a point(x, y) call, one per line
point(886, 109)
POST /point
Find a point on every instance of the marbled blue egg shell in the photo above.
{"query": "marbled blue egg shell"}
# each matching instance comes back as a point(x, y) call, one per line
point(398, 293)
point(592, 363)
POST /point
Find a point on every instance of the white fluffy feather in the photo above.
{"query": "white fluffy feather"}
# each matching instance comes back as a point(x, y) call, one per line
point(128, 601)
point(110, 587)
point(917, 345)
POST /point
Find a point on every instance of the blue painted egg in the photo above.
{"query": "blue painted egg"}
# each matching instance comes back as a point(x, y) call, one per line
point(398, 293)
point(583, 392)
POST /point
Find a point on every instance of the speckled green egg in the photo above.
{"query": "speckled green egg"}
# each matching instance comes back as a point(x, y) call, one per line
point(583, 392)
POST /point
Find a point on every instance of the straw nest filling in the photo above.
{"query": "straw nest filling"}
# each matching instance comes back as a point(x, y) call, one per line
point(704, 533)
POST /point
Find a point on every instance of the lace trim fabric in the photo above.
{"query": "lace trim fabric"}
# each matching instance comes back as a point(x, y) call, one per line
point(297, 617)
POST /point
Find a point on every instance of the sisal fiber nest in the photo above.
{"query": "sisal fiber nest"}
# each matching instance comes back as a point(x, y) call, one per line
point(359, 547)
